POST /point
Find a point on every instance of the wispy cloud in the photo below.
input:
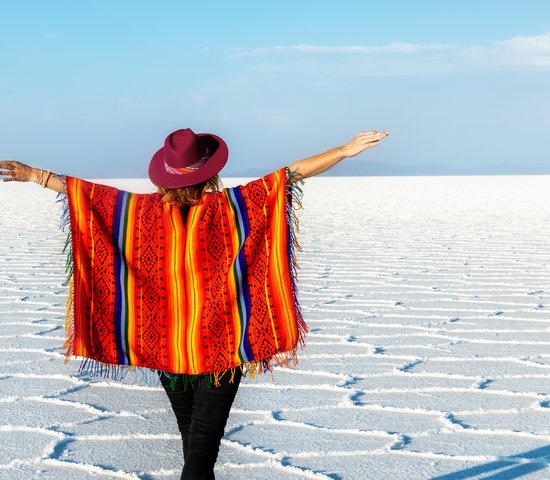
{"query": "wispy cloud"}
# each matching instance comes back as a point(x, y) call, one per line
point(533, 44)
point(399, 58)
point(522, 51)
point(395, 47)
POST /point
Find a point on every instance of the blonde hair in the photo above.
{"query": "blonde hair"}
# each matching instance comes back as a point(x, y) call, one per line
point(190, 195)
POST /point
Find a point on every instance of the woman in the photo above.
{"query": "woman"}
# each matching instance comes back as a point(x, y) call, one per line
point(193, 282)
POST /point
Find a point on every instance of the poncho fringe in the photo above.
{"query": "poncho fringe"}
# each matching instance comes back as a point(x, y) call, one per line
point(251, 367)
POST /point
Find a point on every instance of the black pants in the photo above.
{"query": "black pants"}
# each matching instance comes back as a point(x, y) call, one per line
point(201, 412)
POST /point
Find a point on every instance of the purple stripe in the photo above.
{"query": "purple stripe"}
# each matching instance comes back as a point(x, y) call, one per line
point(120, 267)
point(243, 289)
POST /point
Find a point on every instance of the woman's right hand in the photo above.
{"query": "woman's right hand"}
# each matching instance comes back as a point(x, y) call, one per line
point(14, 171)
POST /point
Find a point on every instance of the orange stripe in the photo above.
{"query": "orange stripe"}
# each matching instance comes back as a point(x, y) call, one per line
point(168, 264)
point(194, 290)
point(266, 280)
point(81, 287)
point(92, 254)
point(286, 277)
point(280, 274)
point(131, 283)
point(175, 287)
point(279, 300)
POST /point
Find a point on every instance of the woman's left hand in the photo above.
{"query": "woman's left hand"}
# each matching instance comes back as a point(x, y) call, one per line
point(14, 171)
point(363, 141)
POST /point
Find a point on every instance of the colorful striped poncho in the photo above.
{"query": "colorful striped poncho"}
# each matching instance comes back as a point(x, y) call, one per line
point(186, 290)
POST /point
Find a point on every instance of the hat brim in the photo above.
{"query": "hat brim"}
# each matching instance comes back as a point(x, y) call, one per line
point(215, 162)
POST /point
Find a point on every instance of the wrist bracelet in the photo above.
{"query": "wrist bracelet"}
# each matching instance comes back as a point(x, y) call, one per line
point(47, 179)
point(44, 177)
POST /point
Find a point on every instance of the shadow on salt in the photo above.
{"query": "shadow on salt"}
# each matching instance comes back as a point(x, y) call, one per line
point(505, 469)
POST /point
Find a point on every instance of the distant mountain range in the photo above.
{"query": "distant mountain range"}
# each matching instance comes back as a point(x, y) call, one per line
point(351, 169)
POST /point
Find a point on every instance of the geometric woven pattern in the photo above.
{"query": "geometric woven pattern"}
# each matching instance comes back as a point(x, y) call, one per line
point(198, 289)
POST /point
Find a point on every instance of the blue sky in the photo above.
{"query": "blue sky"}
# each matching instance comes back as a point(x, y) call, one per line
point(92, 88)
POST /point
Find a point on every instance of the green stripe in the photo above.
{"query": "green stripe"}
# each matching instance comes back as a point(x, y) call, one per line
point(235, 274)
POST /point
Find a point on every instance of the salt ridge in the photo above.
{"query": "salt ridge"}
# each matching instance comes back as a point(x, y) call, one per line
point(428, 356)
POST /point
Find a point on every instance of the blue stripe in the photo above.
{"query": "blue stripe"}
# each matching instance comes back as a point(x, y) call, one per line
point(119, 222)
point(243, 289)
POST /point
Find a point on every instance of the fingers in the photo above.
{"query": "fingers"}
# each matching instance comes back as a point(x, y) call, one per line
point(7, 163)
point(366, 139)
point(8, 166)
point(7, 169)
point(374, 134)
point(11, 170)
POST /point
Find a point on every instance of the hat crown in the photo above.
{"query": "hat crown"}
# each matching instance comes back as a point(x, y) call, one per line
point(187, 158)
point(183, 148)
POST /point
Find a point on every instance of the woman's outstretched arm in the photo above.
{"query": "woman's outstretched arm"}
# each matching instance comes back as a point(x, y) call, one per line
point(14, 171)
point(308, 167)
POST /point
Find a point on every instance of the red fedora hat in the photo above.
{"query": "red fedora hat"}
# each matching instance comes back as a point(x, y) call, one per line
point(187, 158)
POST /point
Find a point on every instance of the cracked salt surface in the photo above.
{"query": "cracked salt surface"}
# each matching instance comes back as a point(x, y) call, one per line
point(429, 353)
